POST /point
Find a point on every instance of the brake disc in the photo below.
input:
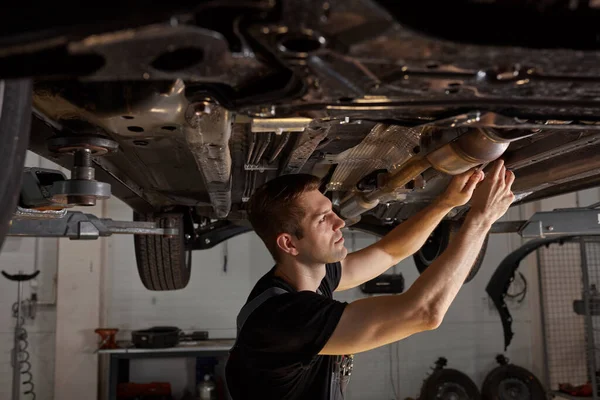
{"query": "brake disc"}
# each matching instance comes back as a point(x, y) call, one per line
point(452, 391)
point(448, 384)
point(511, 382)
point(513, 389)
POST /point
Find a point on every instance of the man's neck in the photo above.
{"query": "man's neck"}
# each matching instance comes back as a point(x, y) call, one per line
point(300, 276)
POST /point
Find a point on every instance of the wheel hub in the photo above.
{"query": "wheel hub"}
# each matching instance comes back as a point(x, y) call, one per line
point(513, 389)
point(452, 391)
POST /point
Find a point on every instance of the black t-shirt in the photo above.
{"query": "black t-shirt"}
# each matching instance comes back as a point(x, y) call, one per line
point(276, 353)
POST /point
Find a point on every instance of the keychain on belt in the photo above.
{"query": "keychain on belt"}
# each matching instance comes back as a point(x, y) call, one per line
point(346, 366)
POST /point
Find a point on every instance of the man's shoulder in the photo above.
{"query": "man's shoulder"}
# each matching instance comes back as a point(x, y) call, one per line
point(266, 282)
point(269, 280)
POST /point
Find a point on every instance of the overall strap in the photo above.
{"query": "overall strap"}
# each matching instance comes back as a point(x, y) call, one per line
point(254, 304)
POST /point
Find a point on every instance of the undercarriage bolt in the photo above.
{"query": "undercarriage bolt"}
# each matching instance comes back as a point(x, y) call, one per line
point(82, 165)
point(82, 170)
point(83, 158)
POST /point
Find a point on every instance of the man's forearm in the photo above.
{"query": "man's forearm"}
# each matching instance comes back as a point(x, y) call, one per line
point(376, 321)
point(409, 236)
point(439, 284)
point(401, 242)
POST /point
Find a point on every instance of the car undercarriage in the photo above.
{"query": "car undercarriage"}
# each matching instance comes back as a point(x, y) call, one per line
point(385, 101)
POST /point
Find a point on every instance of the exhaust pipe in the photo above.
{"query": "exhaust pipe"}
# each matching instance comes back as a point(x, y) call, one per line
point(476, 147)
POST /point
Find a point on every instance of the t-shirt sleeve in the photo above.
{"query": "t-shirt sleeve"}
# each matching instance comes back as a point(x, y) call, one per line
point(295, 324)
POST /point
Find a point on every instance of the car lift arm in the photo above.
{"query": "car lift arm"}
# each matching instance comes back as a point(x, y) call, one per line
point(545, 227)
point(560, 222)
point(76, 225)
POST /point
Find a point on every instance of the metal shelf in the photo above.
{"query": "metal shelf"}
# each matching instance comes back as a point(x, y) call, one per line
point(210, 345)
point(119, 358)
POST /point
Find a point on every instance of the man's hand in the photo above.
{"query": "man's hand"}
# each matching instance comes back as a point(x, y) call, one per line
point(460, 189)
point(493, 196)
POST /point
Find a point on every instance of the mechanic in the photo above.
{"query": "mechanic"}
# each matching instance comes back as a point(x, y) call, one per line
point(294, 340)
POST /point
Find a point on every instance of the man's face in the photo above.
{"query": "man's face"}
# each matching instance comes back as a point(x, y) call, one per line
point(322, 241)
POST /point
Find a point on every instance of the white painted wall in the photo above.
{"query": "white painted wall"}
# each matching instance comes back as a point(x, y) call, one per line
point(27, 255)
point(61, 337)
point(18, 254)
point(210, 302)
point(470, 336)
point(78, 315)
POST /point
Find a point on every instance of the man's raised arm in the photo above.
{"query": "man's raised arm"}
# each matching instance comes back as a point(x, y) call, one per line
point(376, 321)
point(408, 237)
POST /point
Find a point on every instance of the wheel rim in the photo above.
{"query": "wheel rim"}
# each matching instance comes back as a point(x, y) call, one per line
point(513, 389)
point(452, 391)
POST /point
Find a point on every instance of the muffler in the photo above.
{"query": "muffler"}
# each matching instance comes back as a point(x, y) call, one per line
point(476, 147)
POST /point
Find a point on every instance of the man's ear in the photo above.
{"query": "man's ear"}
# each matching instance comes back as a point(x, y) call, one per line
point(286, 243)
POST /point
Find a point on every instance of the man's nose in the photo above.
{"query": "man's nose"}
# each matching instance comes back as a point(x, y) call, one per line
point(339, 223)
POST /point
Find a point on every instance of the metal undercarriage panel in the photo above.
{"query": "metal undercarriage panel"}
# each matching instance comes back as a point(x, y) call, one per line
point(341, 89)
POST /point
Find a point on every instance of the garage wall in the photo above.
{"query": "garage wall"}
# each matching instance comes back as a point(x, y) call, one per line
point(27, 255)
point(207, 303)
point(18, 254)
point(210, 302)
point(470, 336)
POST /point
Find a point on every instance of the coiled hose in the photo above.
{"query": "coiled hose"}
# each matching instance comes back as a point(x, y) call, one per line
point(22, 356)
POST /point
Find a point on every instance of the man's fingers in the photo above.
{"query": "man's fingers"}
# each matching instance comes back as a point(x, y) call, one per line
point(510, 178)
point(497, 168)
point(463, 179)
point(502, 176)
point(473, 181)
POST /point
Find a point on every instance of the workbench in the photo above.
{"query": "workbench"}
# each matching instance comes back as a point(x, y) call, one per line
point(119, 358)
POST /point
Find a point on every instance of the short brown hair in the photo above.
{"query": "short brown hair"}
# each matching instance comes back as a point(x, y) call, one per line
point(273, 210)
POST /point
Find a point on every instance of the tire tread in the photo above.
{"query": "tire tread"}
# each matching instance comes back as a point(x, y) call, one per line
point(161, 260)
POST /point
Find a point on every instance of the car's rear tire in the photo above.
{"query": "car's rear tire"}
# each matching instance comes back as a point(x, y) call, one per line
point(437, 242)
point(15, 122)
point(161, 260)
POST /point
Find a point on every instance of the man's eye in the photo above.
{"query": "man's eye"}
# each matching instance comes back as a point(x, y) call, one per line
point(322, 220)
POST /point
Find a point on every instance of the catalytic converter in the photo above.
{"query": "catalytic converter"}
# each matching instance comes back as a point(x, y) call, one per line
point(476, 147)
